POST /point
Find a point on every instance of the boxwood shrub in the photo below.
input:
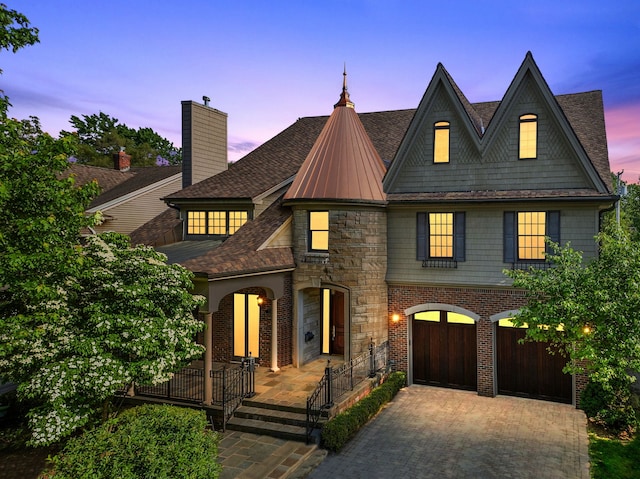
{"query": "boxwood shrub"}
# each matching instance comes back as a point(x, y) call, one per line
point(338, 430)
point(149, 441)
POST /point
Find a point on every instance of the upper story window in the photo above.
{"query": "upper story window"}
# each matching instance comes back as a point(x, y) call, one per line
point(219, 223)
point(441, 142)
point(528, 136)
point(318, 231)
point(440, 238)
point(525, 233)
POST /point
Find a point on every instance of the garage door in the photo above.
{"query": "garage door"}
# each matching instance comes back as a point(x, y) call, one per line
point(528, 369)
point(444, 349)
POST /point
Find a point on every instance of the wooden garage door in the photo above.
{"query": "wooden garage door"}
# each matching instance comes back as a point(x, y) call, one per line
point(444, 350)
point(528, 369)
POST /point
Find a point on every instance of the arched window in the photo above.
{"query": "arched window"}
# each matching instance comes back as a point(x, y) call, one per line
point(528, 136)
point(441, 142)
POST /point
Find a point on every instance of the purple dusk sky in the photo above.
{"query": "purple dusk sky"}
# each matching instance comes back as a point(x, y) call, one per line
point(267, 63)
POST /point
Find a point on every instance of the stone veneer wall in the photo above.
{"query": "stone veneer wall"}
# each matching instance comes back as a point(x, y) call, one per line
point(357, 261)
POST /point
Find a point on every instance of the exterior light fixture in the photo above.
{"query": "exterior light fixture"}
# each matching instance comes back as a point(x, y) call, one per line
point(395, 317)
point(260, 300)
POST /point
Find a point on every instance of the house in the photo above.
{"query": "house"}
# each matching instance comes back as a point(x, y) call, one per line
point(130, 196)
point(397, 225)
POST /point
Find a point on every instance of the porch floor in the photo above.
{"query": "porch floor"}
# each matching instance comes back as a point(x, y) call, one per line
point(290, 386)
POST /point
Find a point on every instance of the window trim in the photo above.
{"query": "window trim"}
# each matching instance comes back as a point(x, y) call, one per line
point(510, 235)
point(208, 217)
point(527, 118)
point(423, 240)
point(441, 126)
point(310, 232)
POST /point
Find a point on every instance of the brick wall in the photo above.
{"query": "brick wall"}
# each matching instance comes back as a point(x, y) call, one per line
point(223, 328)
point(484, 302)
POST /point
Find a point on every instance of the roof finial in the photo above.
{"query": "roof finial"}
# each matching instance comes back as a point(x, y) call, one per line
point(344, 96)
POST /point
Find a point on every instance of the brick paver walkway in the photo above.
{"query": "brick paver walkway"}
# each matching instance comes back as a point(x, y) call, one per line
point(429, 432)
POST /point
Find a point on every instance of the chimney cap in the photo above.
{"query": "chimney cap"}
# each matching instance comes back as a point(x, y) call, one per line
point(206, 100)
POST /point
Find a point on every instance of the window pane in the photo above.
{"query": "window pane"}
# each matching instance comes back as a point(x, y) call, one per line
point(320, 240)
point(217, 222)
point(441, 235)
point(196, 222)
point(428, 316)
point(253, 323)
point(441, 142)
point(239, 325)
point(236, 220)
point(528, 136)
point(319, 230)
point(459, 318)
point(531, 233)
point(319, 220)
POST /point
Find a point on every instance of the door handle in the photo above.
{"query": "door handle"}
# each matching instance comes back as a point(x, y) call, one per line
point(333, 333)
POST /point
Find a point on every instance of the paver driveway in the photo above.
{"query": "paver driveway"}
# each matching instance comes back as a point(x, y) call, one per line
point(443, 433)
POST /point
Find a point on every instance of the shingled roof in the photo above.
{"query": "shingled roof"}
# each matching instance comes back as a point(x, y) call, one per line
point(115, 183)
point(280, 158)
point(243, 253)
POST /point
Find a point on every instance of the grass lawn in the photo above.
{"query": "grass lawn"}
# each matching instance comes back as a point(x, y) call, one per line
point(613, 458)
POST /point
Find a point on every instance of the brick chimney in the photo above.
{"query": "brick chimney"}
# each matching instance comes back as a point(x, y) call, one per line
point(204, 141)
point(121, 161)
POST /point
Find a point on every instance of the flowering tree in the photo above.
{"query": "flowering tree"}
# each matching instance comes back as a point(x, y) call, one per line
point(77, 321)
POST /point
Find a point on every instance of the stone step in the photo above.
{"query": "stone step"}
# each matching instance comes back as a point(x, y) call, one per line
point(273, 429)
point(274, 407)
point(272, 415)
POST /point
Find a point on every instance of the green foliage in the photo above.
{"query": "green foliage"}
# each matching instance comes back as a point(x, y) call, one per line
point(160, 442)
point(124, 316)
point(340, 429)
point(77, 321)
point(15, 30)
point(611, 458)
point(100, 136)
point(603, 295)
point(610, 405)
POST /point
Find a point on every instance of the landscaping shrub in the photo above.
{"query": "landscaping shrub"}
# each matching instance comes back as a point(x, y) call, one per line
point(610, 405)
point(338, 430)
point(150, 441)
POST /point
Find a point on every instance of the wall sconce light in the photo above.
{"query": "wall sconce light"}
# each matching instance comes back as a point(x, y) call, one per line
point(260, 300)
point(395, 317)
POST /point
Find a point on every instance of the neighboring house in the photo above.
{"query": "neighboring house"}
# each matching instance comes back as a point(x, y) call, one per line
point(130, 197)
point(312, 245)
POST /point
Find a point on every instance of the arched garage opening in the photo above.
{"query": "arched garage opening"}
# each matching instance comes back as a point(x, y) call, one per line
point(444, 348)
point(528, 368)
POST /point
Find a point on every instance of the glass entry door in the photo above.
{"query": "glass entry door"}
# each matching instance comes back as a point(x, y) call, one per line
point(246, 325)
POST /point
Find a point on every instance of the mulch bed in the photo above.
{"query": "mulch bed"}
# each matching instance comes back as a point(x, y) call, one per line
point(26, 463)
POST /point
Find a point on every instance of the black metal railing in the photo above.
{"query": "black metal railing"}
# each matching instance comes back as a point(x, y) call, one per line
point(185, 385)
point(338, 381)
point(231, 386)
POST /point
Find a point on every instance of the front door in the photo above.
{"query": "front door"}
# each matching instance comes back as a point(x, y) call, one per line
point(337, 323)
point(333, 322)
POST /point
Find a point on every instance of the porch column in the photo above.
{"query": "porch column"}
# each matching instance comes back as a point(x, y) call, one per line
point(208, 358)
point(274, 335)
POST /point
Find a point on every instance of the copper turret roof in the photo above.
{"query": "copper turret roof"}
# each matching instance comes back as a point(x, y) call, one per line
point(343, 163)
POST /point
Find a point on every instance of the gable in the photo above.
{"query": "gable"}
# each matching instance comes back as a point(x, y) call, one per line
point(556, 166)
point(418, 172)
point(484, 141)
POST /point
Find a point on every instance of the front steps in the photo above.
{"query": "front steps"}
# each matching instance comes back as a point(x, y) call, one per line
point(284, 422)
